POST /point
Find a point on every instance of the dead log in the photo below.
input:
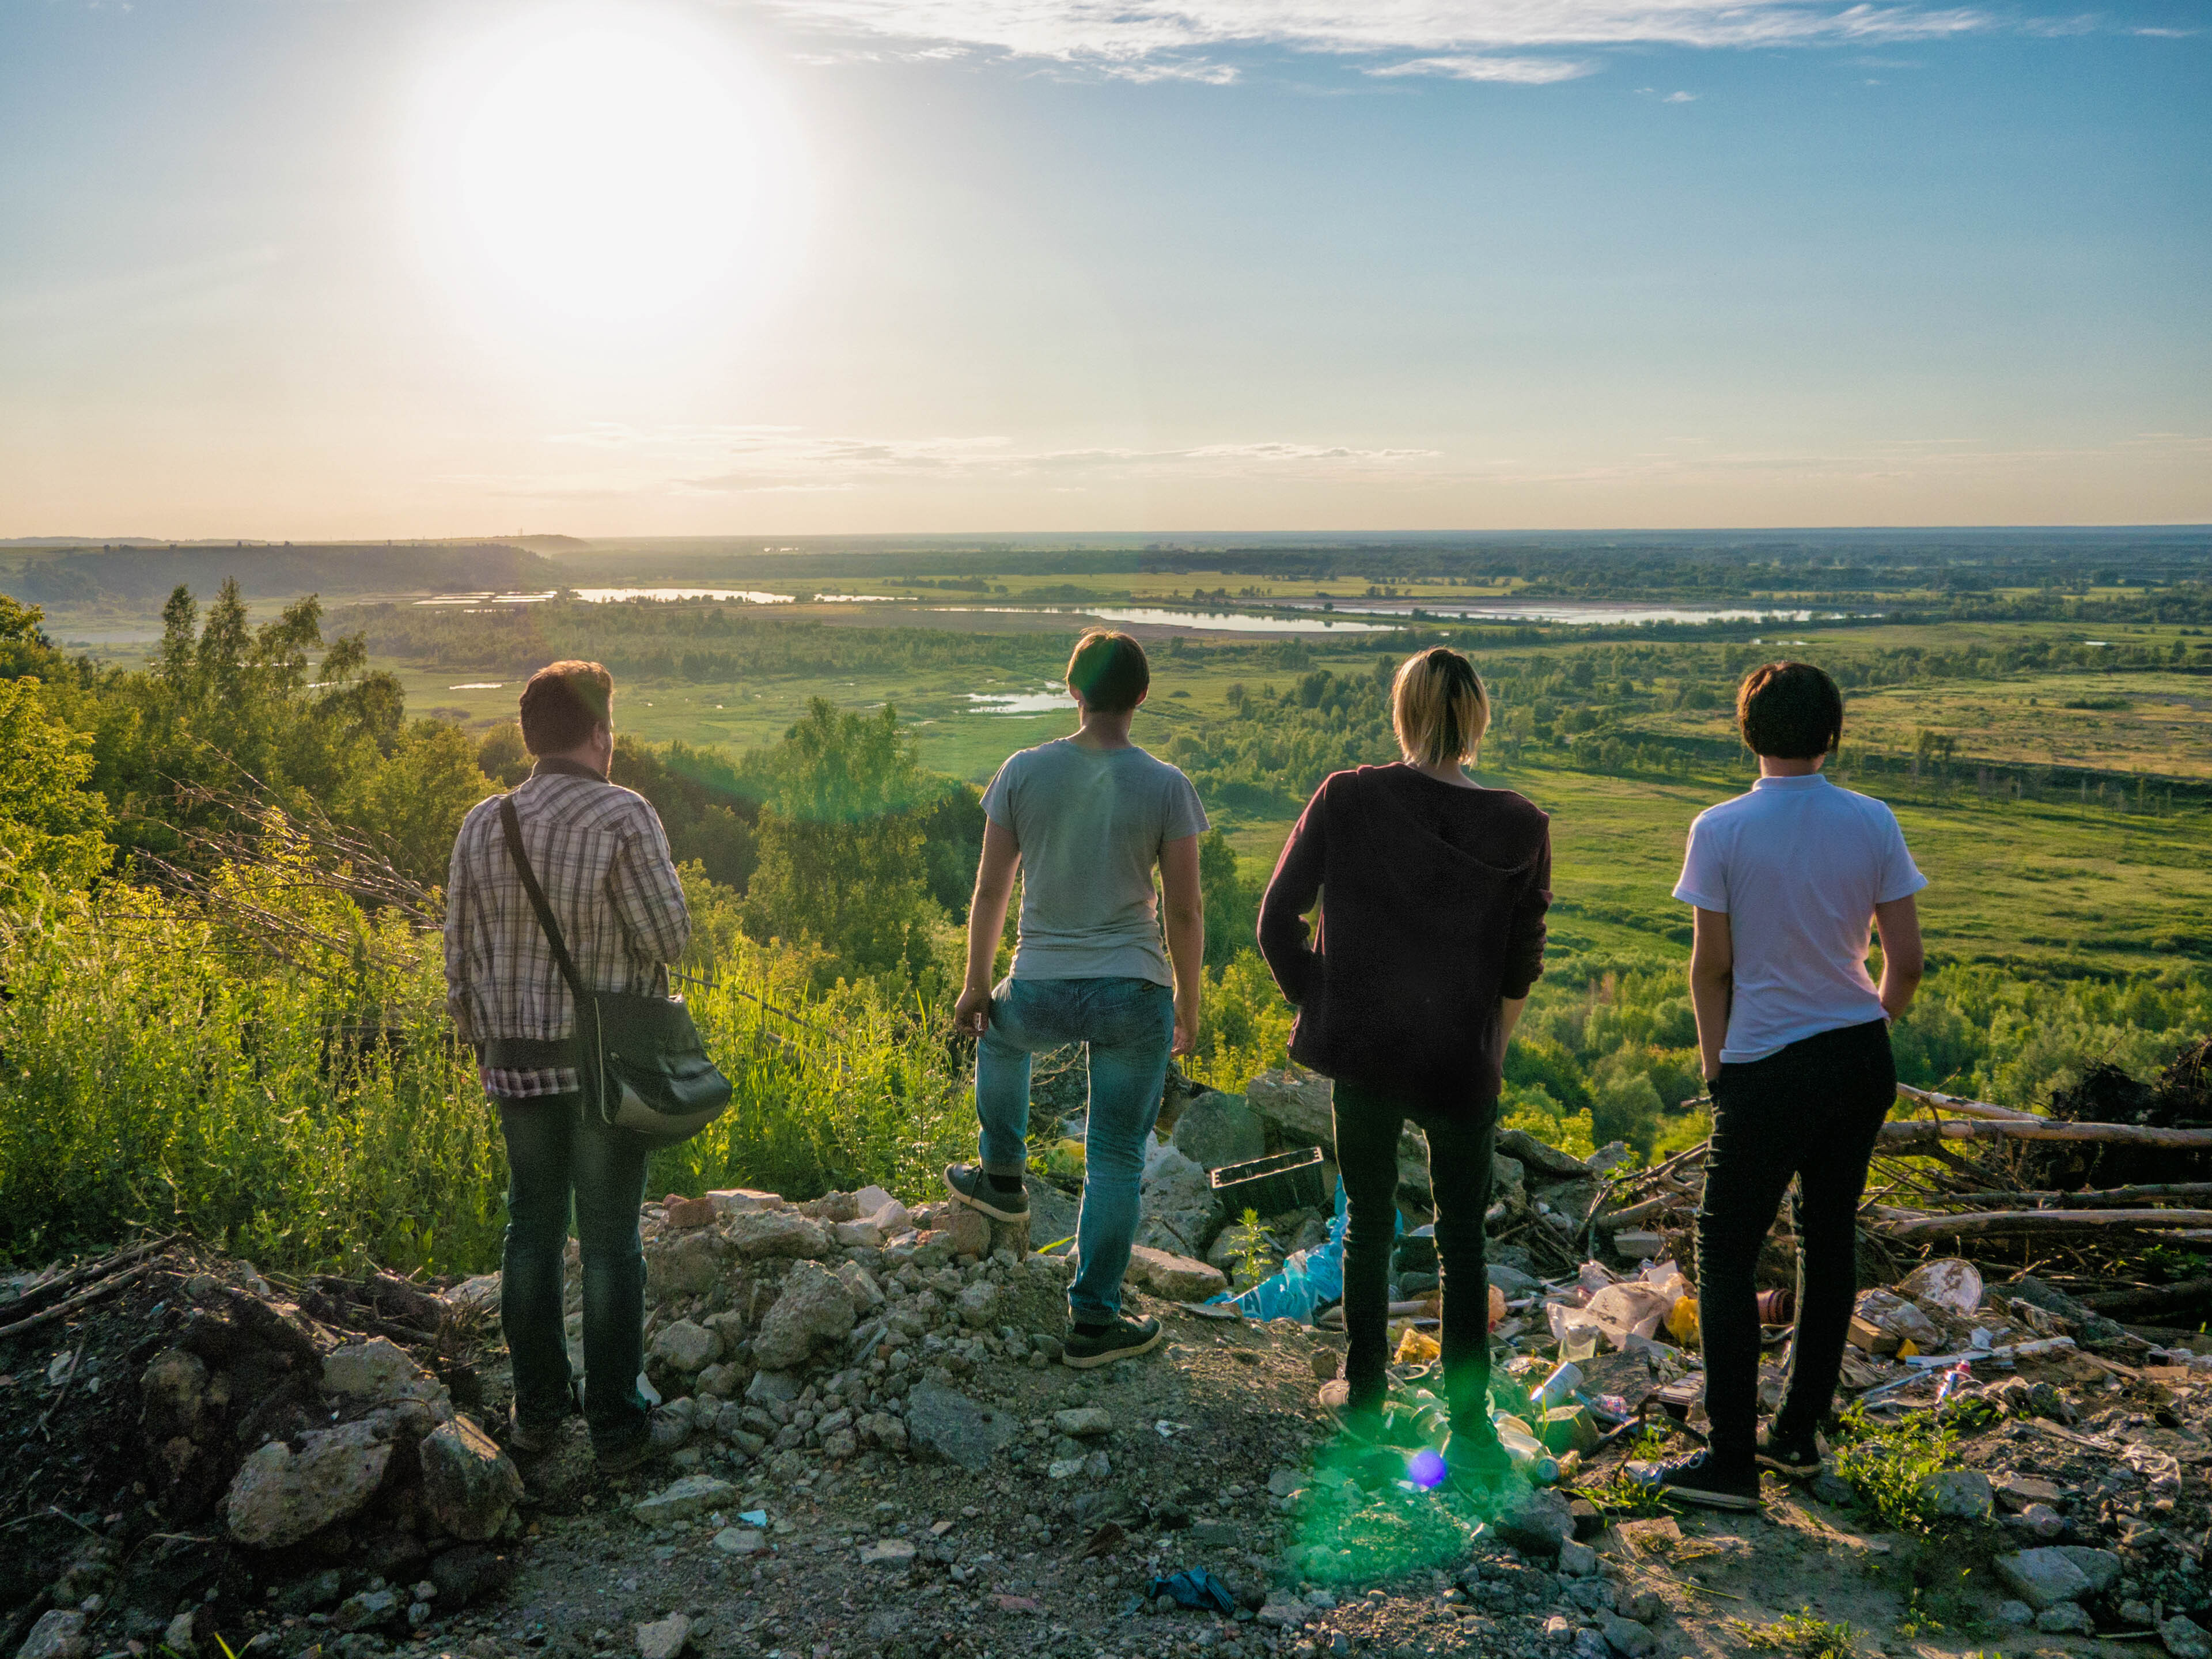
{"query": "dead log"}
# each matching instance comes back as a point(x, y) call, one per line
point(82, 1299)
point(2190, 1296)
point(1964, 1108)
point(2013, 1223)
point(47, 1288)
point(2087, 1198)
point(1896, 1135)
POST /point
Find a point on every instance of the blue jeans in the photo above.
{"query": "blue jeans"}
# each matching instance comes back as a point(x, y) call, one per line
point(1128, 1025)
point(554, 1146)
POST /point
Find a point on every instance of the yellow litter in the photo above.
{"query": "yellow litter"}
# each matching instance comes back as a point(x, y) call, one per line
point(1415, 1346)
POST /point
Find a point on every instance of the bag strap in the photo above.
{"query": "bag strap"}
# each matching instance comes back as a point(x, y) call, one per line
point(513, 826)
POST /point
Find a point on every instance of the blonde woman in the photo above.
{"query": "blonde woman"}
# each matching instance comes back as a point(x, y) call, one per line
point(1433, 892)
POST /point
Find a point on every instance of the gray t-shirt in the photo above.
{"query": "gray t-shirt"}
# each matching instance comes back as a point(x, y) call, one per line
point(1090, 824)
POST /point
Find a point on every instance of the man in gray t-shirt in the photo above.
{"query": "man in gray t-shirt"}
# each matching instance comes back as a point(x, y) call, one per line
point(1086, 820)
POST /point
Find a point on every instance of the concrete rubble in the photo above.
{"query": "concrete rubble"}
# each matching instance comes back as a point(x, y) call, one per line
point(339, 1491)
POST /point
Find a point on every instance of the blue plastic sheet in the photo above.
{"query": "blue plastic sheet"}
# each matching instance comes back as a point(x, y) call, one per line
point(1308, 1278)
point(1195, 1587)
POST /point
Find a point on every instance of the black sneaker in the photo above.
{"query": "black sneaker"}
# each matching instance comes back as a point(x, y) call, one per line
point(1698, 1478)
point(968, 1183)
point(1476, 1468)
point(1125, 1339)
point(1796, 1455)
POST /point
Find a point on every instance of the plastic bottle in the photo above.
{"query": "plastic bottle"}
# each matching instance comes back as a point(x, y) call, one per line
point(1555, 1389)
point(1529, 1454)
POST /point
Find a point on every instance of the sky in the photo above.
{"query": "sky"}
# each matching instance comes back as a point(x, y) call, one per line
point(307, 268)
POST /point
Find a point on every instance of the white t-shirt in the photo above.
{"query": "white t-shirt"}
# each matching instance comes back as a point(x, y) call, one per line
point(1090, 824)
point(1797, 866)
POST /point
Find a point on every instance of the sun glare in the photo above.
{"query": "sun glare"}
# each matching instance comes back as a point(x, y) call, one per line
point(607, 174)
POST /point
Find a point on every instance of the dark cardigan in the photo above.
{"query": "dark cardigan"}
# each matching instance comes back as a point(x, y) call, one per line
point(1433, 899)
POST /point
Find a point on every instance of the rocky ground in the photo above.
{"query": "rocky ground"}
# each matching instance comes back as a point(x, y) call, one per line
point(868, 1447)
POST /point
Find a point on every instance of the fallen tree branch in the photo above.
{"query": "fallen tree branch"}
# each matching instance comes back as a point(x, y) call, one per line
point(2089, 1198)
point(1964, 1108)
point(2186, 1296)
point(85, 1298)
point(2011, 1222)
point(79, 1274)
point(1893, 1136)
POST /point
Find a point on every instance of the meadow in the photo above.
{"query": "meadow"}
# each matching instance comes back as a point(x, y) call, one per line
point(2046, 748)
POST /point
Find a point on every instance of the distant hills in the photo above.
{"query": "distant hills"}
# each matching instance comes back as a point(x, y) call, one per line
point(72, 574)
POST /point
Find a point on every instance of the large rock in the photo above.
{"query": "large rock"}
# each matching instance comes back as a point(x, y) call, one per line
point(1178, 1204)
point(1541, 1160)
point(685, 1346)
point(2184, 1639)
point(1538, 1525)
point(1216, 1129)
point(2057, 1573)
point(966, 1231)
point(1960, 1494)
point(173, 1394)
point(759, 1233)
point(950, 1423)
point(1625, 1637)
point(280, 1496)
point(57, 1635)
point(370, 1610)
point(664, 1638)
point(2100, 1567)
point(814, 1311)
point(685, 1263)
point(1178, 1278)
point(1052, 1214)
point(469, 1485)
point(1299, 1104)
point(468, 1572)
point(376, 1370)
point(977, 1303)
point(694, 1494)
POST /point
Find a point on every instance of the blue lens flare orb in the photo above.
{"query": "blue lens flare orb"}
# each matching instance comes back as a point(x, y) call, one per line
point(1426, 1468)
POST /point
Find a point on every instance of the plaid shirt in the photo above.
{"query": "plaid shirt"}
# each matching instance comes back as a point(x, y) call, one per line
point(602, 859)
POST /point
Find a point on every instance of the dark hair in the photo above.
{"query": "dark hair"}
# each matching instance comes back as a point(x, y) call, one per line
point(1109, 672)
point(1791, 711)
point(561, 704)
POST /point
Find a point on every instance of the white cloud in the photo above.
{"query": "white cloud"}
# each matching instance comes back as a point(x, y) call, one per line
point(1519, 71)
point(1455, 38)
point(779, 459)
point(1679, 98)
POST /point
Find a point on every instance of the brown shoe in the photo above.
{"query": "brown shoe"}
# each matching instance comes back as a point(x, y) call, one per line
point(534, 1437)
point(614, 1461)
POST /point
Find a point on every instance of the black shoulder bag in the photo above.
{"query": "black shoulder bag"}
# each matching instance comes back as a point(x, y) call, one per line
point(642, 1066)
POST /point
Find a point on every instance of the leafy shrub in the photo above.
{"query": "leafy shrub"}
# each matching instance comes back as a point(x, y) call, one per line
point(1886, 1465)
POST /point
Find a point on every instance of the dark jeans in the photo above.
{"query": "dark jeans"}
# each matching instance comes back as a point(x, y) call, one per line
point(553, 1147)
point(1810, 1110)
point(1368, 1123)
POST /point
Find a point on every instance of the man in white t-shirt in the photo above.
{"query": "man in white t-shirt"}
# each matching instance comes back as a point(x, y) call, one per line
point(1787, 880)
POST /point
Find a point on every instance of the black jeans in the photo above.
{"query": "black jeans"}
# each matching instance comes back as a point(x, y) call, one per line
point(1368, 1123)
point(1810, 1111)
point(553, 1147)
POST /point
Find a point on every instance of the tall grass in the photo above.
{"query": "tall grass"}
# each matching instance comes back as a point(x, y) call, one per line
point(270, 1068)
point(308, 1110)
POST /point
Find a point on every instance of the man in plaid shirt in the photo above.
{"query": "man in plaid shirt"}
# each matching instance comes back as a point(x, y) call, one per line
point(601, 859)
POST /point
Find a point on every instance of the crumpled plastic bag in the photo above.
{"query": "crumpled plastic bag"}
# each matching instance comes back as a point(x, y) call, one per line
point(1195, 1587)
point(1633, 1307)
